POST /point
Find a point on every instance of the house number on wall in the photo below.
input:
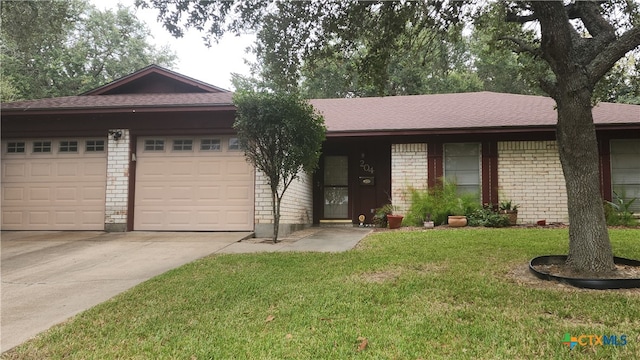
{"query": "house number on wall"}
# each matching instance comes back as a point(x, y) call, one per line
point(366, 167)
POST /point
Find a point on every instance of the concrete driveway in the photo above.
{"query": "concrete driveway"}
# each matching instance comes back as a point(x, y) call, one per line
point(49, 276)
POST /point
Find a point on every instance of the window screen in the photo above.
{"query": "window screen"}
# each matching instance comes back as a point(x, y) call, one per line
point(625, 170)
point(462, 166)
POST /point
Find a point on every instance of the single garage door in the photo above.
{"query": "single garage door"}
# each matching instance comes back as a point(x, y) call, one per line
point(53, 184)
point(193, 184)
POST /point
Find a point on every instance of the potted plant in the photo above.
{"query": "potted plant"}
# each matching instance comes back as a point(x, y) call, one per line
point(428, 223)
point(457, 217)
point(511, 210)
point(385, 217)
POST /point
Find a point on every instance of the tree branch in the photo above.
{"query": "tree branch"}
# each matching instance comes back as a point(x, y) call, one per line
point(523, 47)
point(557, 34)
point(615, 50)
point(596, 24)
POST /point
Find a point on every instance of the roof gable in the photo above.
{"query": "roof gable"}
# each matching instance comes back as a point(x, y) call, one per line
point(154, 79)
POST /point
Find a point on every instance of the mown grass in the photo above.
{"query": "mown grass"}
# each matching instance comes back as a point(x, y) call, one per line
point(411, 295)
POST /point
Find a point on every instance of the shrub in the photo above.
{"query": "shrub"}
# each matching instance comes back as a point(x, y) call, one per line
point(438, 202)
point(618, 212)
point(487, 217)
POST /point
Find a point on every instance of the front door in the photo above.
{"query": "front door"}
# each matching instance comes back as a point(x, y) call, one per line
point(336, 188)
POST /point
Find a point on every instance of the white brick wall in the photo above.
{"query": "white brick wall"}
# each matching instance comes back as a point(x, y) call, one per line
point(296, 209)
point(409, 168)
point(530, 174)
point(116, 206)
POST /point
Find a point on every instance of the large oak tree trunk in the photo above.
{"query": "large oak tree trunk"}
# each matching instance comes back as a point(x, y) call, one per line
point(589, 245)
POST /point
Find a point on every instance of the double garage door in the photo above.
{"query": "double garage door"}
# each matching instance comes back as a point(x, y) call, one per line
point(182, 184)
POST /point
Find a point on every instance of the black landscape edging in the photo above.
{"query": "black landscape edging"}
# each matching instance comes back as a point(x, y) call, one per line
point(600, 284)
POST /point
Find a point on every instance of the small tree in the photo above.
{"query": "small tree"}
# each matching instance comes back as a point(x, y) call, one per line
point(281, 136)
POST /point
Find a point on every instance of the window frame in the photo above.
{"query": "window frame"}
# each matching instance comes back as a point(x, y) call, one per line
point(18, 145)
point(68, 146)
point(39, 147)
point(210, 145)
point(154, 145)
point(94, 148)
point(182, 145)
point(236, 144)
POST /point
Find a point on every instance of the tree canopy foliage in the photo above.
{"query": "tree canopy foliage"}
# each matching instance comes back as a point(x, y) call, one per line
point(338, 49)
point(281, 135)
point(58, 48)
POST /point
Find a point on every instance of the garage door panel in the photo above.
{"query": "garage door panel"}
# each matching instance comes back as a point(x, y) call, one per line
point(209, 168)
point(151, 168)
point(193, 190)
point(67, 169)
point(65, 217)
point(237, 167)
point(11, 194)
point(40, 170)
point(208, 216)
point(238, 193)
point(39, 194)
point(54, 191)
point(93, 194)
point(181, 193)
point(238, 217)
point(14, 171)
point(12, 219)
point(209, 193)
point(66, 194)
point(39, 218)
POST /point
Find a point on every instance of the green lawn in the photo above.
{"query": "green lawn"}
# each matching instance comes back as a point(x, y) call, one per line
point(399, 295)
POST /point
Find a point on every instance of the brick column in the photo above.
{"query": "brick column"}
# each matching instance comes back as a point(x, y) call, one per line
point(118, 155)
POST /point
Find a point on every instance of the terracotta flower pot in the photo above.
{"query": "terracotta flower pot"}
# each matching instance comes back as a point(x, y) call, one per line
point(513, 216)
point(395, 221)
point(457, 221)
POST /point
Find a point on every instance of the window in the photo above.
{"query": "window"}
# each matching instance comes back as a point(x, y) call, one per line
point(234, 143)
point(42, 146)
point(68, 146)
point(15, 147)
point(336, 187)
point(210, 144)
point(625, 171)
point(154, 145)
point(94, 145)
point(462, 166)
point(183, 145)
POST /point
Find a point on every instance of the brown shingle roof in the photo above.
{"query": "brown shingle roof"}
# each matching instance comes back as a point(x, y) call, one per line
point(128, 101)
point(375, 114)
point(455, 111)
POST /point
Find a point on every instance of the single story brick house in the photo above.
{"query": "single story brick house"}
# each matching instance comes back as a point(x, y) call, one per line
point(156, 151)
